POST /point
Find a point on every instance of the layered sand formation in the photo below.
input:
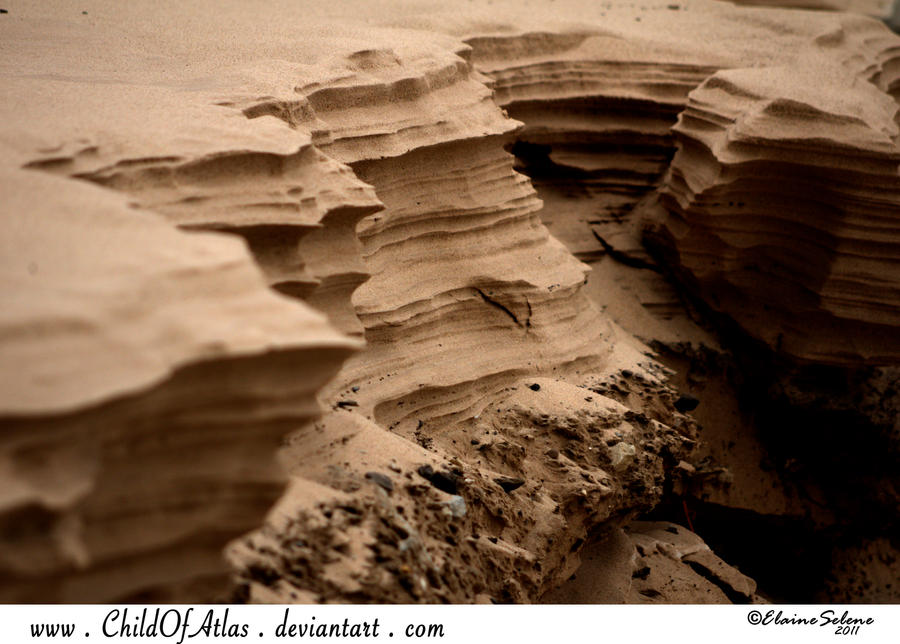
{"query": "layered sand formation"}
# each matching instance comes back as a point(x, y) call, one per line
point(791, 192)
point(499, 420)
point(143, 398)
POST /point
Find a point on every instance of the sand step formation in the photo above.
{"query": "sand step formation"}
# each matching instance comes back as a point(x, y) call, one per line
point(301, 307)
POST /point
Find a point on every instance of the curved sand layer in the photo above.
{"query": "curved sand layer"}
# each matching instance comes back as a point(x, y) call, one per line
point(496, 420)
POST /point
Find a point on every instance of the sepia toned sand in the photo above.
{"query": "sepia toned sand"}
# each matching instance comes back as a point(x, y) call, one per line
point(384, 302)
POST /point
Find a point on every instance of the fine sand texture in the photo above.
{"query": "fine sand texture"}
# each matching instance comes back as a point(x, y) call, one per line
point(415, 301)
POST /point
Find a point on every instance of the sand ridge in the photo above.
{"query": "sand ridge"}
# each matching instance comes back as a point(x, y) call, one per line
point(497, 418)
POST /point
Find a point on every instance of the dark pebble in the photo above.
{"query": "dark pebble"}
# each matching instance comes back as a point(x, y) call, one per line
point(347, 403)
point(534, 387)
point(3, 11)
point(444, 481)
point(354, 389)
point(509, 484)
point(686, 403)
point(381, 480)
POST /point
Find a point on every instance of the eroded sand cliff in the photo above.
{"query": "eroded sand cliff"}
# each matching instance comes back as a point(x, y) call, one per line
point(406, 242)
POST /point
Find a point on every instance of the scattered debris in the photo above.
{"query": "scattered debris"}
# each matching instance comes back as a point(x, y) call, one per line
point(422, 438)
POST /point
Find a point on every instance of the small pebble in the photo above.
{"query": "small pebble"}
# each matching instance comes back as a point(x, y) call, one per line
point(444, 481)
point(381, 480)
point(508, 483)
point(457, 506)
point(686, 403)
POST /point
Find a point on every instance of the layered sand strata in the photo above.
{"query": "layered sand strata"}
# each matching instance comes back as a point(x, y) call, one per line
point(496, 421)
point(148, 377)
